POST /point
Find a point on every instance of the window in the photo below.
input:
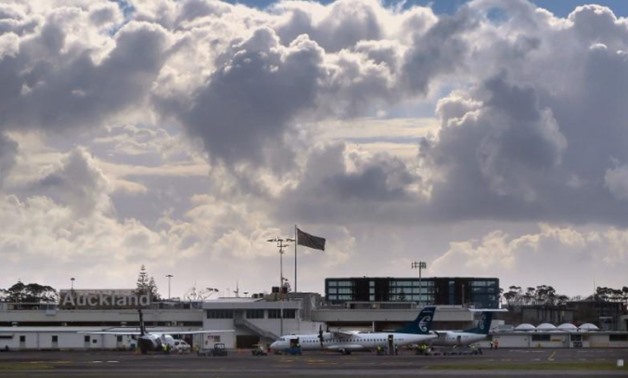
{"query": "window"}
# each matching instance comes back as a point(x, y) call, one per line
point(289, 313)
point(55, 338)
point(541, 337)
point(22, 339)
point(274, 314)
point(219, 314)
point(86, 338)
point(576, 337)
point(255, 314)
point(119, 338)
point(613, 337)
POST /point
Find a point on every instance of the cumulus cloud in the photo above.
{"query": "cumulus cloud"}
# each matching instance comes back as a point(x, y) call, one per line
point(205, 128)
point(67, 73)
point(531, 259)
point(77, 183)
point(8, 149)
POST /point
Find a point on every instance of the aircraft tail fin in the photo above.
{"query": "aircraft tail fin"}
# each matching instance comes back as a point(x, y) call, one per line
point(484, 324)
point(142, 327)
point(422, 324)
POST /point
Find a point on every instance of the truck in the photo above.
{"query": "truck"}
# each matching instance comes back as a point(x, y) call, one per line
point(219, 349)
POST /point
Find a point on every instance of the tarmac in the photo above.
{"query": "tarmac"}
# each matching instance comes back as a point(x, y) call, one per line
point(492, 363)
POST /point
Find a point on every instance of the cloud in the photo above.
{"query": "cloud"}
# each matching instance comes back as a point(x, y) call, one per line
point(185, 134)
point(58, 80)
point(242, 112)
point(8, 150)
point(536, 258)
point(77, 183)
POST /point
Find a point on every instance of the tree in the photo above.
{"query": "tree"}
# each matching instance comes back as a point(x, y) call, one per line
point(32, 293)
point(513, 296)
point(545, 295)
point(146, 285)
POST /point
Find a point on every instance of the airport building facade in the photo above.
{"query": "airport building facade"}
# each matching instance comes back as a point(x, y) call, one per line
point(448, 291)
point(240, 322)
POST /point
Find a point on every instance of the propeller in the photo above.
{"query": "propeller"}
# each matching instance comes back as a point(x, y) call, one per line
point(320, 334)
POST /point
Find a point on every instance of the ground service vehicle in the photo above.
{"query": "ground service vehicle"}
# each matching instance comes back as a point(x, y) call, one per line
point(219, 349)
point(258, 350)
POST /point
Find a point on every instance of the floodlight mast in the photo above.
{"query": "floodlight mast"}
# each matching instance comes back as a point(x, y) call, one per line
point(281, 243)
point(419, 265)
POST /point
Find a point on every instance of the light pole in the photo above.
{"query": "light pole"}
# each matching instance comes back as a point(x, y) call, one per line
point(169, 277)
point(281, 243)
point(72, 284)
point(419, 265)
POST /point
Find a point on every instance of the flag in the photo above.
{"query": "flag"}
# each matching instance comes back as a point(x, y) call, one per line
point(314, 242)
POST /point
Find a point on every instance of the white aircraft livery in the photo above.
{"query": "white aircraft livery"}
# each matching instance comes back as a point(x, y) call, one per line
point(415, 332)
point(466, 337)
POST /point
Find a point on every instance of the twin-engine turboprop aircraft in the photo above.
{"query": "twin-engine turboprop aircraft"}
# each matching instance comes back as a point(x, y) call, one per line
point(156, 341)
point(414, 332)
point(466, 337)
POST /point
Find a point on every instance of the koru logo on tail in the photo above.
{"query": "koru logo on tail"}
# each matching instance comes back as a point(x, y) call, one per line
point(482, 321)
point(423, 322)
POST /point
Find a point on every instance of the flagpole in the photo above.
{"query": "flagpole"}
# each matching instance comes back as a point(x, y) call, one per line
point(296, 241)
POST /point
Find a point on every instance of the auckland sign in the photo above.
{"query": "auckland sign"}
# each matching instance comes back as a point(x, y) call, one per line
point(94, 300)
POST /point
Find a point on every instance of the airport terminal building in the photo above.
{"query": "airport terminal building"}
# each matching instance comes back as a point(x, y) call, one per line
point(444, 291)
point(365, 304)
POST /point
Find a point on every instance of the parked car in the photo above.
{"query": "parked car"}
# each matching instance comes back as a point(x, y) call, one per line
point(180, 346)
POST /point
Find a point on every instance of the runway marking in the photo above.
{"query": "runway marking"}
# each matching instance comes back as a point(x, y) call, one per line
point(108, 362)
point(551, 357)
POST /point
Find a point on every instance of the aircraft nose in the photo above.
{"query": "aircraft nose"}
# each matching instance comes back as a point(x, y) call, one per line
point(273, 345)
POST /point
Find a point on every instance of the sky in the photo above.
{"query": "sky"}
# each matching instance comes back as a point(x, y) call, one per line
point(486, 138)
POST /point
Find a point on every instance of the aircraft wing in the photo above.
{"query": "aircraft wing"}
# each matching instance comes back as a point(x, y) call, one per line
point(121, 333)
point(159, 333)
point(197, 332)
point(488, 309)
point(343, 334)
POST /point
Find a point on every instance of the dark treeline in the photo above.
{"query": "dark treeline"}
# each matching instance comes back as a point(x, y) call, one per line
point(35, 293)
point(29, 293)
point(547, 295)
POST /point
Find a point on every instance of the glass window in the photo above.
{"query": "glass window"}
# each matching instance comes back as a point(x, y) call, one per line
point(541, 337)
point(274, 313)
point(618, 337)
point(219, 314)
point(255, 314)
point(289, 313)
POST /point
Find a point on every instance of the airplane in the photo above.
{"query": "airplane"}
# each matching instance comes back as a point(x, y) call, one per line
point(156, 341)
point(466, 337)
point(414, 332)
